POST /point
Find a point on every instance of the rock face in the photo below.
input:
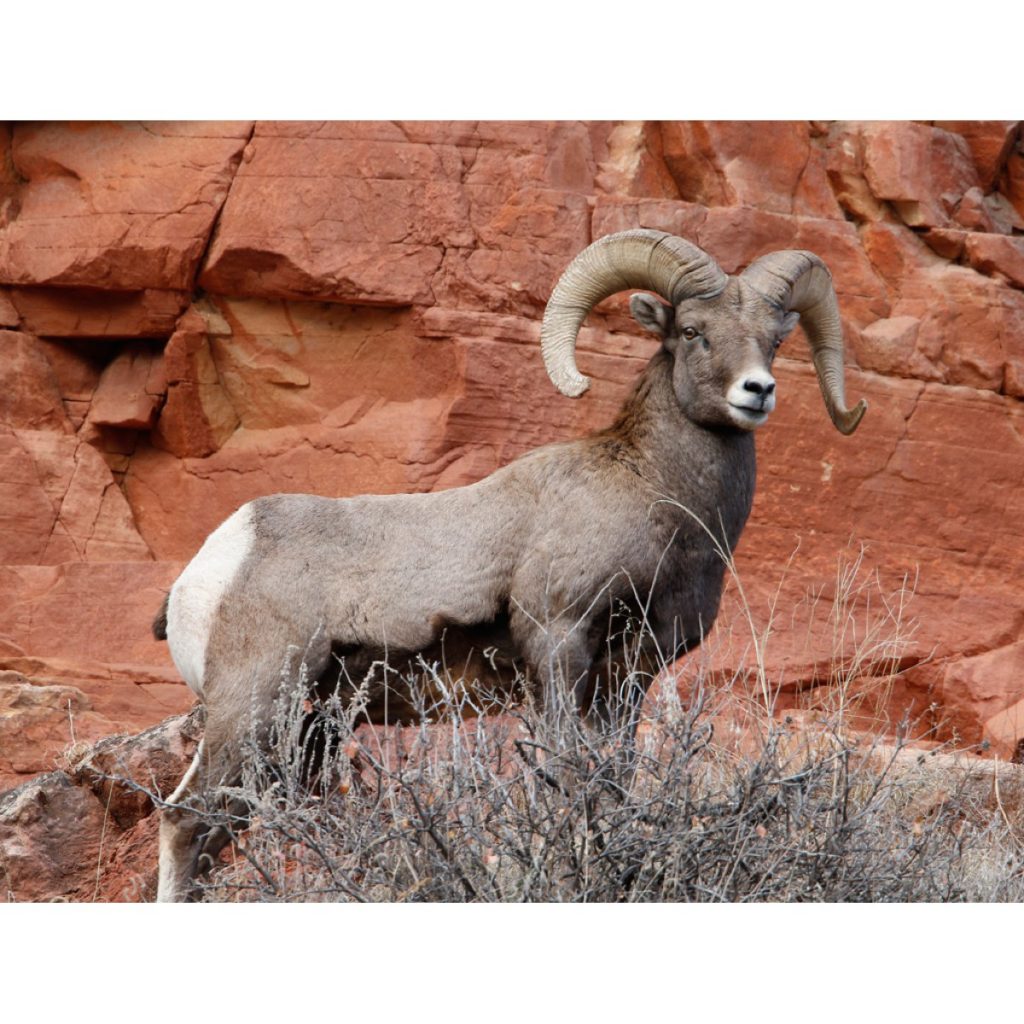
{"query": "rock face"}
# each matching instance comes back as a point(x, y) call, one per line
point(194, 315)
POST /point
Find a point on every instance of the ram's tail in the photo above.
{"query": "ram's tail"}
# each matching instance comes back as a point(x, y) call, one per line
point(160, 622)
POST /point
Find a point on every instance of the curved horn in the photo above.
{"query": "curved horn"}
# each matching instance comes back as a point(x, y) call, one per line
point(671, 266)
point(800, 281)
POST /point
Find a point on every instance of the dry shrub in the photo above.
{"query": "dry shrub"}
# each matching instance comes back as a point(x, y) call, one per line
point(494, 801)
point(530, 805)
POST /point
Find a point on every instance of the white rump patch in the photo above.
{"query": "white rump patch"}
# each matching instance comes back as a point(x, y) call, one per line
point(199, 590)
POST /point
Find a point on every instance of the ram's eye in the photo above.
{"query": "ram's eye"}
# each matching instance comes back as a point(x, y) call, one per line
point(689, 333)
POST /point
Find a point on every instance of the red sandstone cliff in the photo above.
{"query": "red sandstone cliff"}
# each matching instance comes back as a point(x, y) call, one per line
point(192, 315)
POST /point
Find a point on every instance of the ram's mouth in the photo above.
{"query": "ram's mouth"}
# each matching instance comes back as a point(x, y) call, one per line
point(748, 416)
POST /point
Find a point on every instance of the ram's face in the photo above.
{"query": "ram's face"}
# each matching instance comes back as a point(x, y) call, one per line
point(724, 348)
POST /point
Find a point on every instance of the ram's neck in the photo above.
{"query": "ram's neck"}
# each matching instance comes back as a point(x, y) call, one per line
point(708, 469)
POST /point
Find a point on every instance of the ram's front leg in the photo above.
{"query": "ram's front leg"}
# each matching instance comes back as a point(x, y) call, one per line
point(558, 655)
point(614, 699)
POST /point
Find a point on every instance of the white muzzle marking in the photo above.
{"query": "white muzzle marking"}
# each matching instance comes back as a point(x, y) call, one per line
point(751, 397)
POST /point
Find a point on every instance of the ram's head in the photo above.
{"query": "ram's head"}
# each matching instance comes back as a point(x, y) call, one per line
point(722, 331)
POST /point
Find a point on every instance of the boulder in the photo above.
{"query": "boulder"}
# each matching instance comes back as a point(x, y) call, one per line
point(8, 314)
point(131, 389)
point(52, 837)
point(990, 144)
point(122, 206)
point(60, 503)
point(197, 416)
point(30, 397)
point(997, 255)
point(78, 313)
point(95, 612)
point(923, 171)
point(771, 165)
point(88, 833)
point(431, 212)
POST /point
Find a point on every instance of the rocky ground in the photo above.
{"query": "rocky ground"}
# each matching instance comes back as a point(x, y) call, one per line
point(192, 315)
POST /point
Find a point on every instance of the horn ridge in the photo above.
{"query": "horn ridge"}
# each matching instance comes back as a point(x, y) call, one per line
point(798, 280)
point(637, 258)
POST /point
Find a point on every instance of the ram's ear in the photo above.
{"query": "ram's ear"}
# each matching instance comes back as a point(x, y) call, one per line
point(789, 321)
point(651, 313)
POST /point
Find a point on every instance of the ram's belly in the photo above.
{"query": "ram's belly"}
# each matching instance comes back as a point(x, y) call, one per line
point(466, 667)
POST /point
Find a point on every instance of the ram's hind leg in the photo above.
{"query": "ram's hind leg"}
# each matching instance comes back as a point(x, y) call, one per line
point(238, 715)
point(189, 843)
point(178, 837)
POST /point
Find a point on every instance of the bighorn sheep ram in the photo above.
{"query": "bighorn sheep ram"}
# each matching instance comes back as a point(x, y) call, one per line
point(538, 560)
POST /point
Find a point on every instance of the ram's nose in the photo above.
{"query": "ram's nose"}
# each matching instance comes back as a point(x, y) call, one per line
point(762, 385)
